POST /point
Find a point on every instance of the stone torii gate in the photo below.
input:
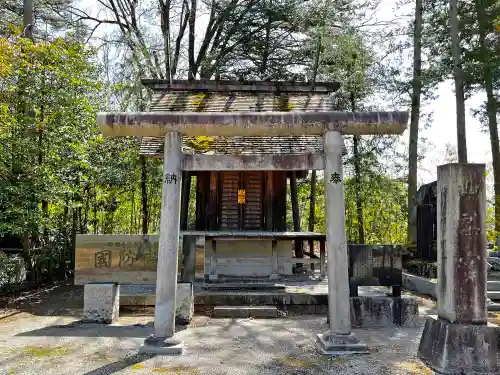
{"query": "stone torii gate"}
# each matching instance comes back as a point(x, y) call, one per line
point(173, 126)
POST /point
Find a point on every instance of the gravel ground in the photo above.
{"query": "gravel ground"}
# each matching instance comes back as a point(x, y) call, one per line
point(47, 337)
point(62, 345)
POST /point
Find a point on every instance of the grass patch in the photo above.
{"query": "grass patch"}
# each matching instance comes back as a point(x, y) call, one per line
point(46, 351)
point(300, 363)
point(414, 368)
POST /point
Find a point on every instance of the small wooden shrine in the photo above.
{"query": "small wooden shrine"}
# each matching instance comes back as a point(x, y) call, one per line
point(240, 203)
point(244, 200)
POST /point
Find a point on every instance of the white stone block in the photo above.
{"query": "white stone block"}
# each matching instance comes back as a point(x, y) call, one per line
point(184, 309)
point(101, 302)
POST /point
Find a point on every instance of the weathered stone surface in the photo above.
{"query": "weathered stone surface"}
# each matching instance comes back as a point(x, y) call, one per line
point(168, 246)
point(101, 302)
point(184, 300)
point(429, 287)
point(384, 311)
point(495, 263)
point(247, 257)
point(157, 124)
point(420, 285)
point(161, 346)
point(144, 295)
point(303, 162)
point(332, 344)
point(461, 200)
point(336, 245)
point(460, 348)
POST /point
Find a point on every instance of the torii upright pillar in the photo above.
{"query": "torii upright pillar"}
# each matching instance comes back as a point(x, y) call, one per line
point(162, 342)
point(339, 339)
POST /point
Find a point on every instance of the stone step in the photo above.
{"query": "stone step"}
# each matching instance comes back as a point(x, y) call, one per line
point(243, 286)
point(493, 286)
point(494, 295)
point(245, 312)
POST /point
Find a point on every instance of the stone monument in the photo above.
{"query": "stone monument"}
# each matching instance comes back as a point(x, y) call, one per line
point(460, 340)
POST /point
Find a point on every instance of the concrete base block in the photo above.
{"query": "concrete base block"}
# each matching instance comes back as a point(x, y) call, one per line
point(384, 311)
point(493, 286)
point(161, 346)
point(101, 302)
point(245, 312)
point(330, 344)
point(144, 295)
point(459, 348)
point(420, 284)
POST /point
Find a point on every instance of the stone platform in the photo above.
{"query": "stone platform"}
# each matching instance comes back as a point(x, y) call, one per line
point(374, 307)
point(460, 348)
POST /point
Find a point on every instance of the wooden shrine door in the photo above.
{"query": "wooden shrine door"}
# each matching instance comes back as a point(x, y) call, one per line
point(241, 197)
point(241, 200)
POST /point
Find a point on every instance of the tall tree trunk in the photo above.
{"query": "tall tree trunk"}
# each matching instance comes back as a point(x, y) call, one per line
point(96, 218)
point(86, 212)
point(28, 19)
point(491, 103)
point(144, 194)
point(294, 196)
point(74, 230)
point(165, 29)
point(459, 82)
point(414, 124)
point(267, 46)
point(191, 41)
point(312, 209)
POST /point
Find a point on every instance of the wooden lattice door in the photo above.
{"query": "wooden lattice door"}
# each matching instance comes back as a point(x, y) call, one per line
point(241, 200)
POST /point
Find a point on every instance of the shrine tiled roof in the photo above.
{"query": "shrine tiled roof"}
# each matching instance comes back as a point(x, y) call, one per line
point(288, 98)
point(152, 146)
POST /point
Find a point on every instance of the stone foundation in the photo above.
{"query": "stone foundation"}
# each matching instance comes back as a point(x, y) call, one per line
point(143, 295)
point(460, 348)
point(101, 302)
point(384, 311)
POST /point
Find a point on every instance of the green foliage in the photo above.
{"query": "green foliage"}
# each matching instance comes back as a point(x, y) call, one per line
point(491, 233)
point(48, 103)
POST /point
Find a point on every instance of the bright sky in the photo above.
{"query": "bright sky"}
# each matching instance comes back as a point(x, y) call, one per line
point(443, 131)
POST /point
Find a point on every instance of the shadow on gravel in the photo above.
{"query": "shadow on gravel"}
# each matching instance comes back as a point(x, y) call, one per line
point(83, 329)
point(120, 365)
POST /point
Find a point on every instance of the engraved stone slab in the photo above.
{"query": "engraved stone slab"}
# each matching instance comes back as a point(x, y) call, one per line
point(462, 255)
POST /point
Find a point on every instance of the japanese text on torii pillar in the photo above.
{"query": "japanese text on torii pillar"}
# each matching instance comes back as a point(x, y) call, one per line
point(335, 178)
point(170, 178)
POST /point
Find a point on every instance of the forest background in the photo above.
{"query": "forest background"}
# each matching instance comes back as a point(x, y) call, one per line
point(60, 177)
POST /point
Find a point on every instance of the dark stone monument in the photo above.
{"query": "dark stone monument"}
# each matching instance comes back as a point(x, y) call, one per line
point(459, 340)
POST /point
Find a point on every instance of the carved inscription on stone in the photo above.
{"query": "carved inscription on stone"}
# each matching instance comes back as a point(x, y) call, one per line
point(103, 259)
